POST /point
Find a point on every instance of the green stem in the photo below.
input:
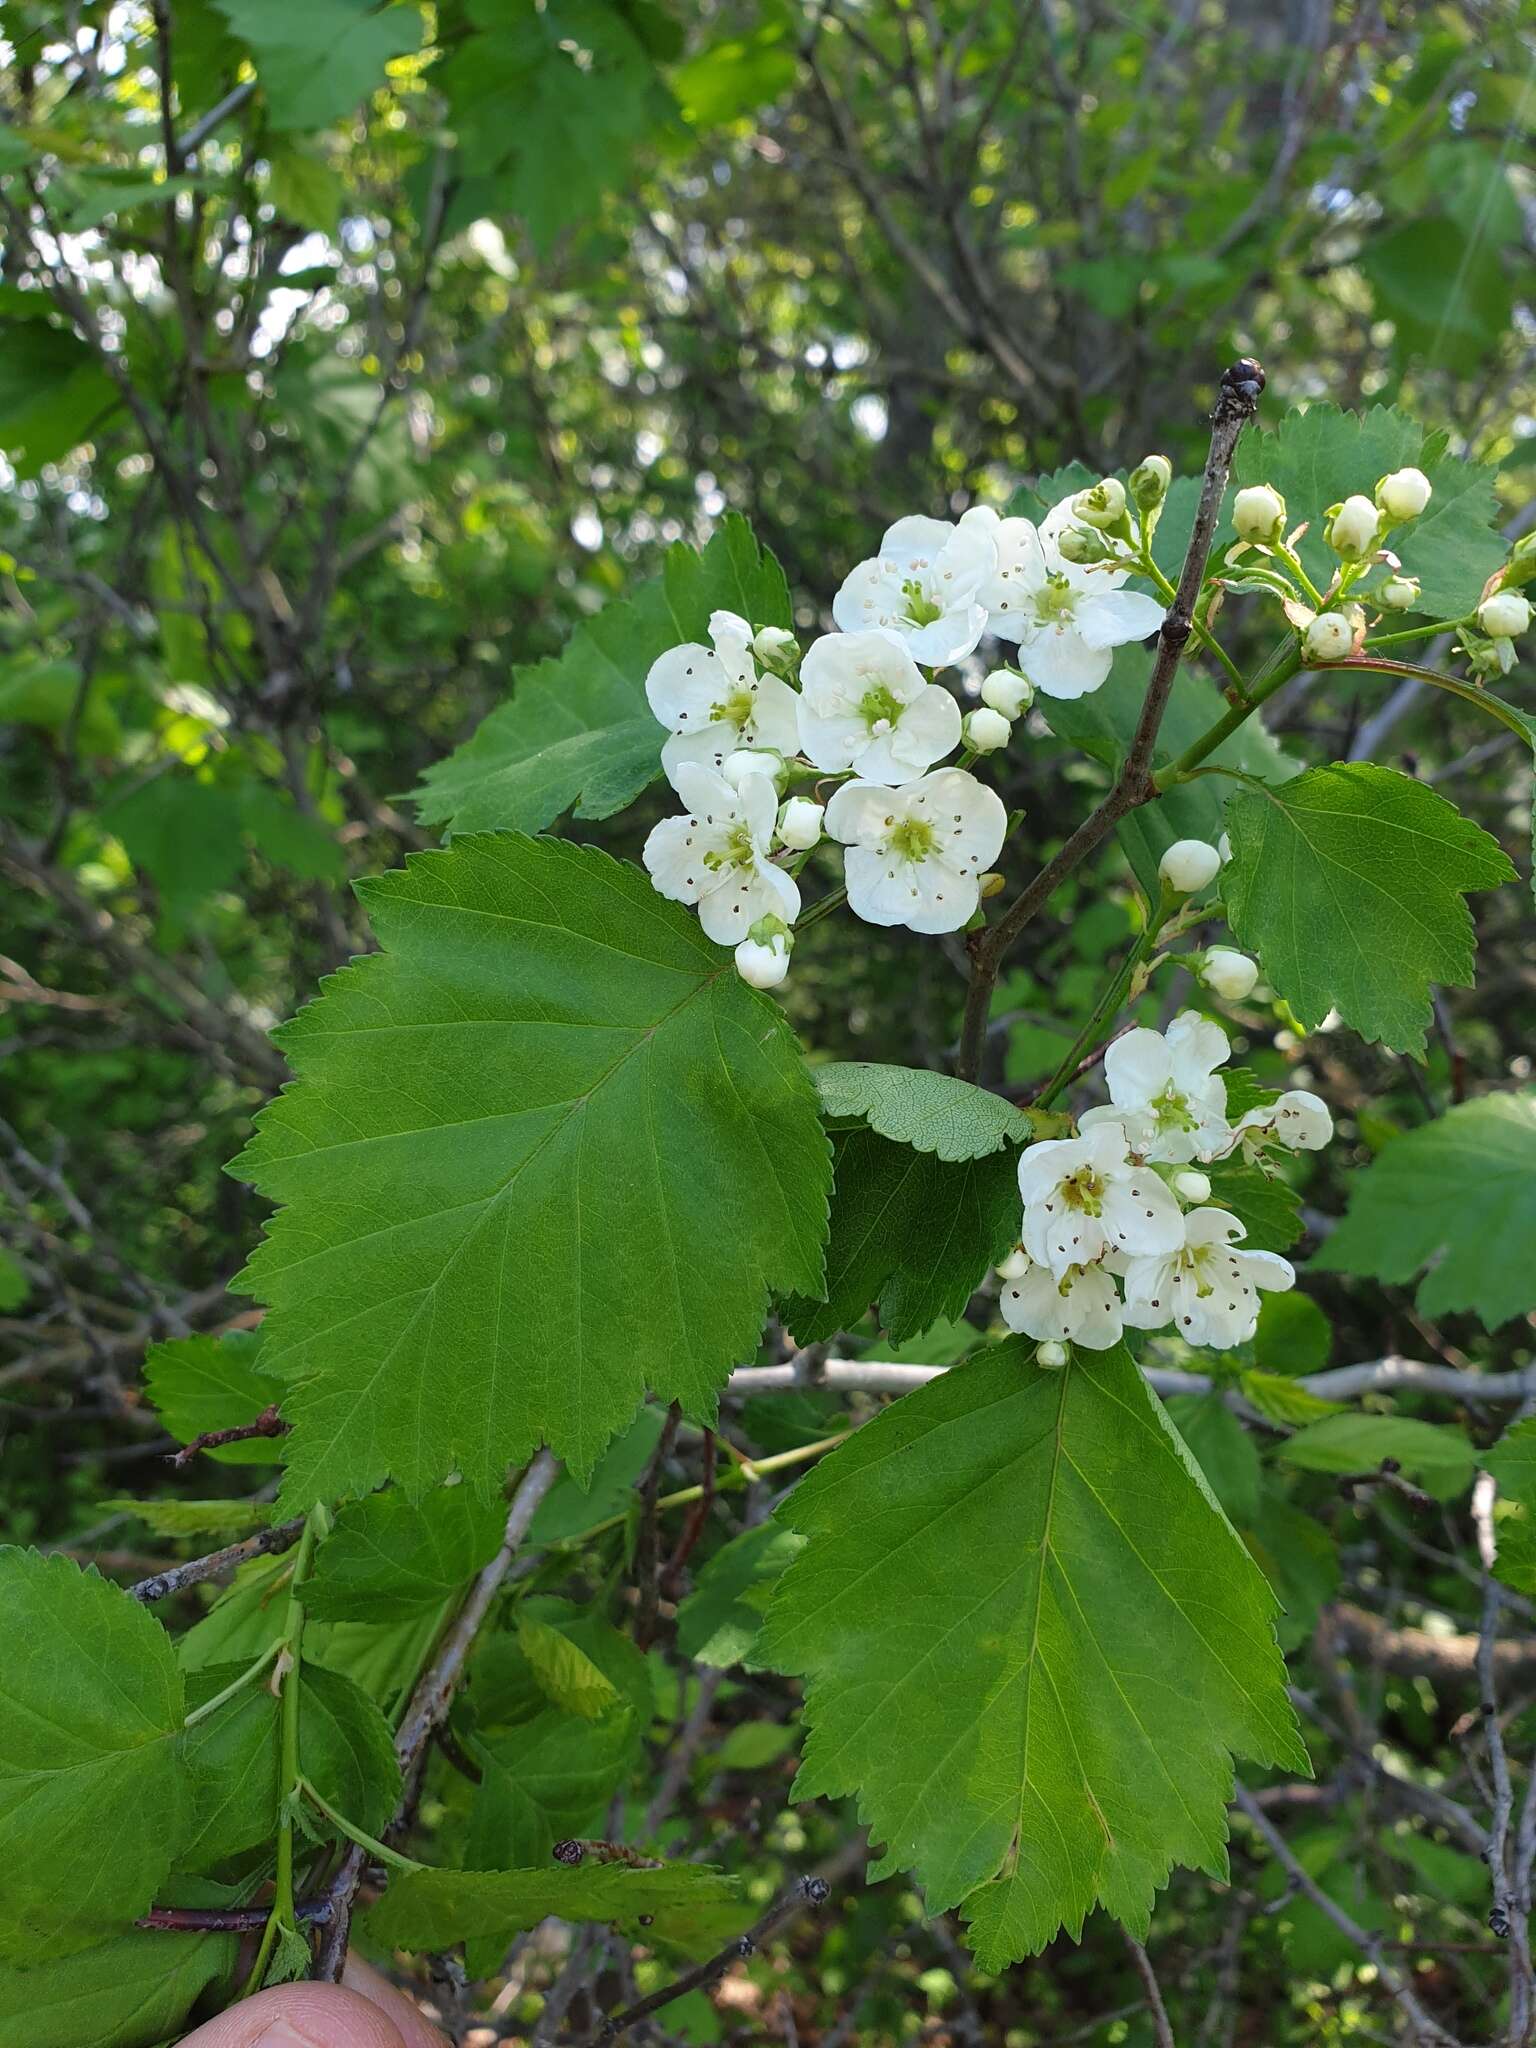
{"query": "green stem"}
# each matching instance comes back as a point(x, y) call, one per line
point(1108, 1005)
point(1203, 636)
point(355, 1834)
point(822, 907)
point(736, 1475)
point(1414, 633)
point(1293, 562)
point(283, 1917)
point(1180, 770)
point(238, 1685)
point(1469, 693)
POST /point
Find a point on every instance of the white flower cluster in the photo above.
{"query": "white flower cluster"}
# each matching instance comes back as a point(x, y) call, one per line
point(919, 837)
point(1125, 1201)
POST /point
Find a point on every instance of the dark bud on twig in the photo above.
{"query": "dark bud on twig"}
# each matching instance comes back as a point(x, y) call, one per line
point(1498, 1922)
point(816, 1889)
point(568, 1852)
point(1242, 383)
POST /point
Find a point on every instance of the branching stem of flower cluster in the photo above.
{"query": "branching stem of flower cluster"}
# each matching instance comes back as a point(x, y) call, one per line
point(1134, 785)
point(739, 1475)
point(1107, 1006)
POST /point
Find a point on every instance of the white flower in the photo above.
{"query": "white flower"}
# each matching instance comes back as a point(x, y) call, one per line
point(1066, 619)
point(1352, 528)
point(747, 761)
point(1189, 864)
point(1329, 637)
point(800, 823)
point(916, 852)
point(1209, 1292)
point(1404, 494)
point(864, 705)
point(923, 586)
point(1258, 514)
point(1081, 1307)
point(1504, 615)
point(713, 701)
point(985, 729)
point(763, 966)
point(1084, 1196)
point(1399, 593)
point(1102, 505)
point(1165, 1091)
point(1008, 692)
point(718, 856)
point(1299, 1120)
point(1228, 973)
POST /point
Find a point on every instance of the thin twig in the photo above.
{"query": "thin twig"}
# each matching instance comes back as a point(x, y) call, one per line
point(1162, 2031)
point(268, 1423)
point(161, 1585)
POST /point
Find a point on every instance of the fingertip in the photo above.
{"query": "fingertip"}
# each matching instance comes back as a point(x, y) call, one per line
point(302, 2016)
point(415, 2030)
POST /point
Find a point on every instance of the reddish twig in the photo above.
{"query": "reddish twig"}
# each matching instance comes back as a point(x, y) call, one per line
point(161, 1585)
point(267, 1423)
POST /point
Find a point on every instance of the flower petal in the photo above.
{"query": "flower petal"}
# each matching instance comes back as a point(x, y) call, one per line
point(1110, 618)
point(1137, 1067)
point(683, 684)
point(1058, 662)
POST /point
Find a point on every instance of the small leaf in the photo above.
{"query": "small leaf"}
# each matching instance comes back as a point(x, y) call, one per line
point(1348, 883)
point(431, 1909)
point(1016, 1583)
point(89, 1711)
point(1436, 1454)
point(1283, 1400)
point(569, 1509)
point(1222, 1448)
point(721, 1619)
point(1456, 1201)
point(1268, 1208)
point(565, 1673)
point(200, 1384)
point(930, 1112)
point(315, 62)
point(228, 1520)
point(1512, 1461)
point(388, 1555)
point(1293, 1334)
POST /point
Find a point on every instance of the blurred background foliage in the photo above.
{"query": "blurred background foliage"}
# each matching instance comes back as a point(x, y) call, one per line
point(352, 354)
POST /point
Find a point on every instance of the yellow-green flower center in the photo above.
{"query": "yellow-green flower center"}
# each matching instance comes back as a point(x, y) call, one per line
point(734, 710)
point(1172, 1111)
point(737, 852)
point(1056, 601)
point(1084, 1190)
point(913, 839)
point(921, 609)
point(880, 705)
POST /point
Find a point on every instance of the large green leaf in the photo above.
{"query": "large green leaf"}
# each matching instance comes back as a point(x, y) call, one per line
point(910, 1230)
point(127, 1993)
point(315, 62)
point(389, 1556)
point(931, 1112)
point(577, 729)
point(544, 1151)
point(431, 1909)
point(1318, 457)
point(90, 1706)
point(1033, 1645)
point(1456, 1201)
point(1348, 883)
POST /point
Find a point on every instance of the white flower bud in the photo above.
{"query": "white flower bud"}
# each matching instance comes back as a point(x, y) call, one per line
point(1189, 864)
point(763, 966)
point(1329, 637)
point(1399, 594)
point(985, 730)
point(1258, 513)
point(775, 646)
point(1228, 973)
point(1224, 847)
point(1016, 1265)
point(1192, 1187)
point(745, 761)
point(800, 823)
point(1008, 692)
point(1504, 615)
point(1051, 1355)
point(1150, 480)
point(1103, 505)
point(1404, 494)
point(1352, 528)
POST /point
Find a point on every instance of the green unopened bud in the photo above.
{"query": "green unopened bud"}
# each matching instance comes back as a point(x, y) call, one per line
point(1353, 528)
point(1150, 480)
point(1103, 505)
point(1076, 544)
point(992, 883)
point(1399, 594)
point(776, 648)
point(1008, 692)
point(985, 729)
point(1258, 514)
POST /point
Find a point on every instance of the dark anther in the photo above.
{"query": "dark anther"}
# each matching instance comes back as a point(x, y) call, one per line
point(817, 1890)
point(568, 1852)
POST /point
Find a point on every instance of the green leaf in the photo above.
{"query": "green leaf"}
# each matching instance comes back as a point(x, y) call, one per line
point(721, 1619)
point(1269, 1208)
point(127, 1993)
point(566, 1675)
point(910, 1230)
point(303, 188)
point(1515, 1563)
point(1298, 1557)
point(1293, 1334)
point(315, 62)
point(90, 1705)
point(432, 1909)
point(1348, 883)
point(183, 833)
point(577, 729)
point(232, 1760)
point(1283, 1400)
point(548, 1149)
point(201, 1384)
point(14, 1284)
point(930, 1112)
point(389, 1556)
point(569, 1509)
point(1436, 1454)
point(53, 394)
point(1103, 722)
point(1222, 1448)
point(1318, 457)
point(506, 1691)
point(1448, 294)
point(1512, 1461)
point(1455, 1200)
point(228, 1520)
point(1023, 1573)
point(544, 1780)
